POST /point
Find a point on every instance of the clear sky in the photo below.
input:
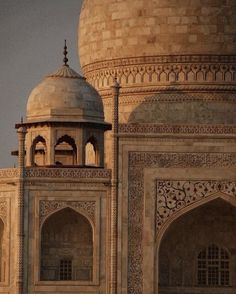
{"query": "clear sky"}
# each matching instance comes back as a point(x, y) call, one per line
point(32, 34)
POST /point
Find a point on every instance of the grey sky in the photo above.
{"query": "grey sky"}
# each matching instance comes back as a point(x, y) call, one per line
point(32, 34)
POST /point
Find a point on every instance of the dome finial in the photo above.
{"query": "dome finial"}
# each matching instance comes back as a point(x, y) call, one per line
point(65, 60)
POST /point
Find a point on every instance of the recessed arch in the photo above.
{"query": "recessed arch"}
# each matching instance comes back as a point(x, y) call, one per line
point(65, 151)
point(186, 234)
point(39, 151)
point(66, 247)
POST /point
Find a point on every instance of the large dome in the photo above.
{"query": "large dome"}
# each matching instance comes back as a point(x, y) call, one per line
point(128, 28)
point(64, 96)
point(175, 60)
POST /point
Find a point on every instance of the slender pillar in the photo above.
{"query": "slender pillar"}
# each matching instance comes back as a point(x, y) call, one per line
point(114, 187)
point(51, 147)
point(19, 269)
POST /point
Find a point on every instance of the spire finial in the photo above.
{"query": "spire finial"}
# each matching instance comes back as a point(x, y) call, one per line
point(65, 60)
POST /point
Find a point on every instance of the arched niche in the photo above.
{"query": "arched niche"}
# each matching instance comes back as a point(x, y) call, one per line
point(91, 152)
point(65, 151)
point(39, 151)
point(66, 247)
point(207, 227)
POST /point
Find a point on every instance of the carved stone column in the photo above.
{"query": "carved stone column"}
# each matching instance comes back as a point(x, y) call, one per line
point(114, 188)
point(19, 268)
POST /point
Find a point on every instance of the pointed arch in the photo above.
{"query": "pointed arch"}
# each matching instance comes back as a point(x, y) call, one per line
point(39, 151)
point(73, 209)
point(66, 247)
point(65, 151)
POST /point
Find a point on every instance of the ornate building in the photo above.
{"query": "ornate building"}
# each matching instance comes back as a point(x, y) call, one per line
point(137, 203)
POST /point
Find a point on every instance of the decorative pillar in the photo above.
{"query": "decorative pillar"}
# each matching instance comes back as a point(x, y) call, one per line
point(51, 147)
point(19, 270)
point(114, 188)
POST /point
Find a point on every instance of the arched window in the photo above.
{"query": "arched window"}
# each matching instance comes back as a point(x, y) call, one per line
point(91, 152)
point(213, 267)
point(65, 151)
point(39, 151)
point(67, 247)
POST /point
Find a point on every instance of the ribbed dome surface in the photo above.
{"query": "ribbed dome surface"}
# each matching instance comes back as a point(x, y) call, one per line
point(64, 95)
point(128, 28)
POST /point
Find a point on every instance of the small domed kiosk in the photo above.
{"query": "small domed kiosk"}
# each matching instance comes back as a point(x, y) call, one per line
point(65, 121)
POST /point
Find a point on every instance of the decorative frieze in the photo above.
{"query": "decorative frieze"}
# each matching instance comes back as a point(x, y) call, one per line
point(47, 207)
point(67, 173)
point(163, 70)
point(177, 129)
point(41, 172)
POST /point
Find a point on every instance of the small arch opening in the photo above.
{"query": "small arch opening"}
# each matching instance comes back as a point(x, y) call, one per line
point(65, 151)
point(91, 152)
point(39, 151)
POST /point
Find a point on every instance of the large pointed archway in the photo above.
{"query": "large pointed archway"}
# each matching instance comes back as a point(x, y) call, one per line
point(197, 251)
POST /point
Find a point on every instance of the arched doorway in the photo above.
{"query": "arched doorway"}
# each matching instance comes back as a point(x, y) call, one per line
point(66, 247)
point(197, 253)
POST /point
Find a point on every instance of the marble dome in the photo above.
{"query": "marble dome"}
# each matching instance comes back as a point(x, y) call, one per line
point(129, 28)
point(64, 96)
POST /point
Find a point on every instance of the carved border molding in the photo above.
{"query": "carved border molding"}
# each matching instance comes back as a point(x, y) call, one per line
point(68, 173)
point(170, 96)
point(47, 207)
point(160, 59)
point(163, 70)
point(172, 196)
point(9, 173)
point(137, 162)
point(83, 173)
point(177, 129)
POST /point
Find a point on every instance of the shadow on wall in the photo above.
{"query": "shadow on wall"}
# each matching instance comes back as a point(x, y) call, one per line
point(180, 107)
